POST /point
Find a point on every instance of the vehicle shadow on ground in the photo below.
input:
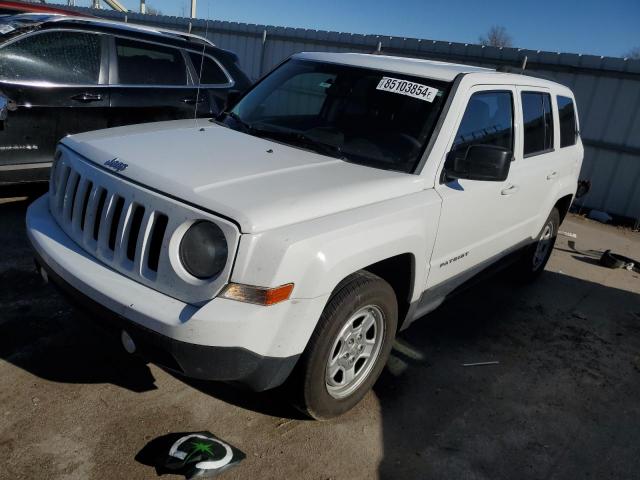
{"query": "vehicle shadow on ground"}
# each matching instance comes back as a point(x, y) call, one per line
point(561, 403)
point(39, 331)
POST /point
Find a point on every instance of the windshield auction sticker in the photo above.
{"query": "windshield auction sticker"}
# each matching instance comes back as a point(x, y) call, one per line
point(411, 89)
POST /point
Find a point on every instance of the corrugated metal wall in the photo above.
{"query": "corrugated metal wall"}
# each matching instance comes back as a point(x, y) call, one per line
point(607, 89)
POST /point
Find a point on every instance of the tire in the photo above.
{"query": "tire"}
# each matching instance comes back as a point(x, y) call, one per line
point(533, 261)
point(363, 304)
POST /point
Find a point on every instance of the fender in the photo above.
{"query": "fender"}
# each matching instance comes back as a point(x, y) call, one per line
point(318, 254)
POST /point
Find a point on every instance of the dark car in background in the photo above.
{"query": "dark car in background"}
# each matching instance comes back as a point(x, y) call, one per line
point(61, 75)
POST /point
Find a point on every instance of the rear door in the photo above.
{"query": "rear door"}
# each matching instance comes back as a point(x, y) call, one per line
point(52, 79)
point(537, 166)
point(151, 82)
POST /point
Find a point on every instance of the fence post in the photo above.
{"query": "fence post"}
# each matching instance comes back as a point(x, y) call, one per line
point(263, 48)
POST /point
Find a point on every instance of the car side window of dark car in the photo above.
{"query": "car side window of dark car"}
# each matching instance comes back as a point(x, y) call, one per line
point(208, 69)
point(59, 57)
point(141, 63)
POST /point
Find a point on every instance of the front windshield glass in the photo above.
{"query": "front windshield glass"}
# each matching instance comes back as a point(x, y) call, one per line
point(361, 115)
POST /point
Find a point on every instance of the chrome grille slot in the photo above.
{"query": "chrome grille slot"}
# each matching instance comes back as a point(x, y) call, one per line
point(63, 172)
point(134, 231)
point(115, 221)
point(85, 203)
point(97, 215)
point(131, 229)
point(159, 228)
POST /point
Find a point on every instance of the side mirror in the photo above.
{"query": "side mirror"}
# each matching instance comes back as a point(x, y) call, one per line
point(489, 163)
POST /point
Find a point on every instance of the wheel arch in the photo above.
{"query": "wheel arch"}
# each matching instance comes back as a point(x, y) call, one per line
point(399, 272)
point(563, 204)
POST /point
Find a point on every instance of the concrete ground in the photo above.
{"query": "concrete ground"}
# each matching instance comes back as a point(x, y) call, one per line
point(561, 404)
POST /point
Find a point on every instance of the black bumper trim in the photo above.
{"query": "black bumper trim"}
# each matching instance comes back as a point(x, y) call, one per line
point(229, 364)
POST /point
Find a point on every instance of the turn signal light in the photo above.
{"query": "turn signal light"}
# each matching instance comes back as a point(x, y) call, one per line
point(257, 295)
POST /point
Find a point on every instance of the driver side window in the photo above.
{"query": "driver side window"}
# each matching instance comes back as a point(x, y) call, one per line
point(487, 120)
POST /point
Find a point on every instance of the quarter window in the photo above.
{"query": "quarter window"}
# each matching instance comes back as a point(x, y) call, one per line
point(147, 64)
point(60, 57)
point(211, 73)
point(487, 120)
point(538, 122)
point(568, 127)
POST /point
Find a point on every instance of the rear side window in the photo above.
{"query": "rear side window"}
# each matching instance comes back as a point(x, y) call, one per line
point(487, 120)
point(56, 57)
point(147, 64)
point(568, 126)
point(212, 74)
point(538, 122)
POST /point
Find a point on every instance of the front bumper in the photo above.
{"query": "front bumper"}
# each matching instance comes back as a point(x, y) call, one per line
point(222, 340)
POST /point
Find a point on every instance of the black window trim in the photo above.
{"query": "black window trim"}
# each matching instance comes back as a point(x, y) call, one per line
point(103, 73)
point(191, 83)
point(553, 122)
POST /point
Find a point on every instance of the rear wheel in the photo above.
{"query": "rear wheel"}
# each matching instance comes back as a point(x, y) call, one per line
point(536, 256)
point(348, 348)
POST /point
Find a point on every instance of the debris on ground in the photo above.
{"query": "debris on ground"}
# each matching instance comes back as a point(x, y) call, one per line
point(192, 454)
point(600, 216)
point(614, 260)
point(480, 364)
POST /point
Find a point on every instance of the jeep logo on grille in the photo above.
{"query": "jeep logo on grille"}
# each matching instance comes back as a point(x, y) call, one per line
point(115, 164)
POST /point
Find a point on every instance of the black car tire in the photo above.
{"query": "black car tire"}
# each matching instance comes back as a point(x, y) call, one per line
point(362, 291)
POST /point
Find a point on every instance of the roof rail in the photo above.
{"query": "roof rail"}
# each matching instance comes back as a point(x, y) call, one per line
point(134, 26)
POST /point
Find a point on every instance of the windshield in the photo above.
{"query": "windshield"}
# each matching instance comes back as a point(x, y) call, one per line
point(361, 115)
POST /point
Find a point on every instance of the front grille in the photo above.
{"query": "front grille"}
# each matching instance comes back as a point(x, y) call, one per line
point(106, 221)
point(129, 228)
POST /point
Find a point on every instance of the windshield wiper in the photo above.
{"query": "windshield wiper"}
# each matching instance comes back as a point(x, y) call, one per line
point(246, 127)
point(298, 139)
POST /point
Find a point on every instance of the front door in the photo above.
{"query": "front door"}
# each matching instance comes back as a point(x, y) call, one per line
point(479, 220)
point(51, 80)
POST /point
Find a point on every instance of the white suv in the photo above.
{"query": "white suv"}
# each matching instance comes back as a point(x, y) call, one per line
point(341, 198)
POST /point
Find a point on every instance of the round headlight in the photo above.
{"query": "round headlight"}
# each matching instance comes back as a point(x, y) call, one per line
point(203, 250)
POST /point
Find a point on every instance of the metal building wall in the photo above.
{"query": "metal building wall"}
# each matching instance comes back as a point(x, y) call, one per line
point(607, 89)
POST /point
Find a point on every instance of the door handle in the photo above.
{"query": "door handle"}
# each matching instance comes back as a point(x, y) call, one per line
point(510, 190)
point(192, 100)
point(87, 97)
point(552, 175)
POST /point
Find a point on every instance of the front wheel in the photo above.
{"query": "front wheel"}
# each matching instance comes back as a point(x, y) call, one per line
point(348, 348)
point(537, 255)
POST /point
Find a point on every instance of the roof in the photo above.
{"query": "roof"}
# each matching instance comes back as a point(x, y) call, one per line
point(129, 27)
point(409, 66)
point(433, 69)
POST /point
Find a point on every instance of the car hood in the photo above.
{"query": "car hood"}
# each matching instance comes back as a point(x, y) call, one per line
point(258, 183)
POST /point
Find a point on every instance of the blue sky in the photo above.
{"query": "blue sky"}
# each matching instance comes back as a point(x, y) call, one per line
point(587, 26)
